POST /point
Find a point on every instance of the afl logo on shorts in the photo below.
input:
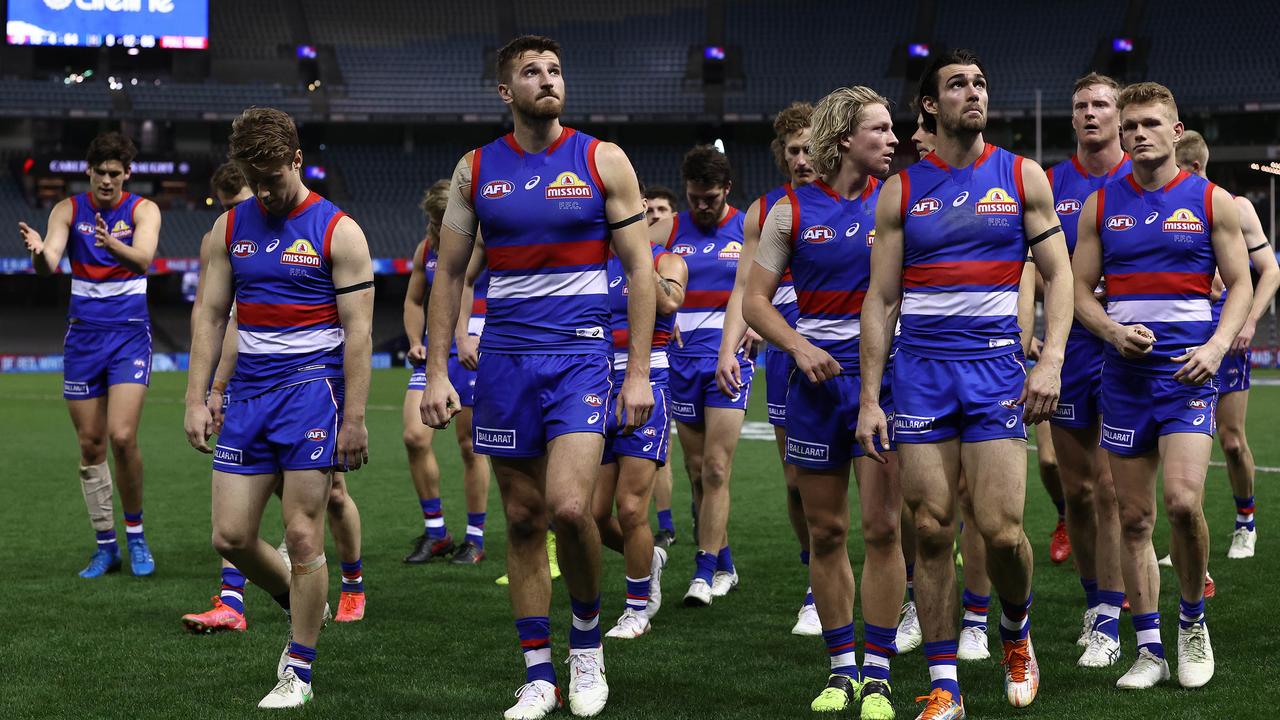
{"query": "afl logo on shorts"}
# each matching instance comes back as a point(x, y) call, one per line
point(496, 189)
point(592, 399)
point(1067, 207)
point(649, 431)
point(1009, 404)
point(1120, 223)
point(317, 435)
point(1197, 404)
point(244, 248)
point(926, 206)
point(683, 249)
point(819, 234)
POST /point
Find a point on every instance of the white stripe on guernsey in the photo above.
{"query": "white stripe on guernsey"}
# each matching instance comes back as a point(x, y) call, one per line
point(970, 304)
point(232, 594)
point(586, 282)
point(475, 326)
point(592, 624)
point(1149, 637)
point(657, 359)
point(845, 659)
point(942, 672)
point(829, 328)
point(289, 343)
point(1137, 311)
point(473, 530)
point(537, 657)
point(784, 295)
point(84, 288)
point(690, 321)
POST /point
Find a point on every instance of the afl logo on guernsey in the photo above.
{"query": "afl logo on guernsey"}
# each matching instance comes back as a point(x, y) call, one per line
point(1120, 223)
point(496, 189)
point(244, 248)
point(926, 206)
point(1183, 221)
point(818, 234)
point(317, 434)
point(567, 185)
point(1068, 207)
point(683, 249)
point(592, 400)
point(301, 253)
point(996, 202)
point(732, 250)
point(84, 228)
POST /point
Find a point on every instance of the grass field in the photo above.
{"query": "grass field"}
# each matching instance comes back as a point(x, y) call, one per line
point(438, 640)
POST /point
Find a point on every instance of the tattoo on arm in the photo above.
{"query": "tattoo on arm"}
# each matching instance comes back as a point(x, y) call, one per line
point(665, 286)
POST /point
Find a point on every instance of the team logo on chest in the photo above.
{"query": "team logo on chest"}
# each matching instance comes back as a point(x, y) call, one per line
point(497, 189)
point(121, 229)
point(566, 186)
point(301, 253)
point(819, 234)
point(731, 251)
point(1120, 223)
point(1067, 207)
point(996, 202)
point(926, 206)
point(244, 248)
point(1183, 221)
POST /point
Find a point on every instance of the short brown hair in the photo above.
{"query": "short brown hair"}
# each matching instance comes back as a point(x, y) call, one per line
point(263, 137)
point(1191, 148)
point(654, 192)
point(511, 52)
point(1096, 78)
point(434, 201)
point(228, 180)
point(706, 165)
point(838, 115)
point(111, 145)
point(1144, 93)
point(789, 121)
point(929, 80)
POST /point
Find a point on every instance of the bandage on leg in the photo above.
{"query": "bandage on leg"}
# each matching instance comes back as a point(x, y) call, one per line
point(95, 483)
point(308, 567)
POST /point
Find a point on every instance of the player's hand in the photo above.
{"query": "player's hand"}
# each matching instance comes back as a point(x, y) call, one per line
point(1133, 341)
point(198, 424)
point(30, 238)
point(469, 351)
point(816, 363)
point(353, 447)
point(1040, 392)
point(635, 403)
point(1201, 364)
point(729, 375)
point(872, 426)
point(101, 233)
point(751, 342)
point(1244, 338)
point(417, 355)
point(440, 403)
point(676, 337)
point(1033, 353)
point(214, 403)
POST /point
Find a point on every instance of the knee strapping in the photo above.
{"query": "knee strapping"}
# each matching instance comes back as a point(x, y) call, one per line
point(308, 567)
point(95, 483)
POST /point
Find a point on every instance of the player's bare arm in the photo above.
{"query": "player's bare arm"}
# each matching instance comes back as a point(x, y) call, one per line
point(415, 297)
point(137, 256)
point(1043, 230)
point(353, 280)
point(208, 327)
point(468, 344)
point(1131, 341)
point(1201, 363)
point(46, 252)
point(879, 308)
point(672, 278)
point(1263, 259)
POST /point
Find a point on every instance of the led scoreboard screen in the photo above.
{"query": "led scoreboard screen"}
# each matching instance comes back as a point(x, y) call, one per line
point(170, 24)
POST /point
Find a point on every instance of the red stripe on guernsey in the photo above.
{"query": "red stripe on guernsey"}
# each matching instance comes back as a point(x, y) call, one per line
point(311, 199)
point(1159, 283)
point(591, 160)
point(675, 227)
point(102, 272)
point(830, 302)
point(1097, 220)
point(231, 225)
point(565, 134)
point(795, 217)
point(286, 316)
point(764, 210)
point(987, 152)
point(546, 256)
point(1049, 172)
point(328, 233)
point(728, 216)
point(1017, 178)
point(479, 306)
point(903, 202)
point(535, 644)
point(836, 650)
point(699, 299)
point(622, 338)
point(475, 171)
point(963, 272)
point(1208, 204)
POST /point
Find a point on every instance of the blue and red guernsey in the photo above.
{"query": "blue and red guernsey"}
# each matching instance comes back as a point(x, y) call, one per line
point(662, 324)
point(1158, 262)
point(831, 240)
point(285, 303)
point(712, 258)
point(963, 252)
point(104, 293)
point(784, 298)
point(546, 242)
point(475, 325)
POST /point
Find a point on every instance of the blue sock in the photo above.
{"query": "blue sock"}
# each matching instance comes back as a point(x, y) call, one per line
point(842, 648)
point(535, 642)
point(911, 582)
point(1244, 512)
point(475, 529)
point(352, 577)
point(705, 566)
point(1090, 586)
point(1015, 620)
point(724, 561)
point(808, 593)
point(1109, 604)
point(879, 644)
point(433, 518)
point(665, 522)
point(1147, 625)
point(585, 632)
point(976, 608)
point(300, 659)
point(107, 541)
point(638, 593)
point(1190, 613)
point(941, 656)
point(232, 594)
point(804, 558)
point(133, 526)
point(1062, 509)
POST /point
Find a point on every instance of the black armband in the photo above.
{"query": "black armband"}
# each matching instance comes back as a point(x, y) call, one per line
point(623, 223)
point(1044, 235)
point(353, 288)
point(1259, 246)
point(673, 282)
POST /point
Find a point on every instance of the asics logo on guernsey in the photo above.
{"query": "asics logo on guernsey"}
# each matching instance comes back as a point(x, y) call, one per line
point(960, 199)
point(271, 247)
point(1152, 217)
point(315, 454)
point(533, 182)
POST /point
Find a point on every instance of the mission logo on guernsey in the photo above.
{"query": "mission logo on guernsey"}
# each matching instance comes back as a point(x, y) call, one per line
point(104, 293)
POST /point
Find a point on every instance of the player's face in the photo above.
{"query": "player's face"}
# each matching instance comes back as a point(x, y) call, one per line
point(1149, 132)
point(106, 180)
point(706, 202)
point(962, 99)
point(657, 210)
point(923, 139)
point(276, 186)
point(1094, 116)
point(872, 144)
point(536, 89)
point(795, 151)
